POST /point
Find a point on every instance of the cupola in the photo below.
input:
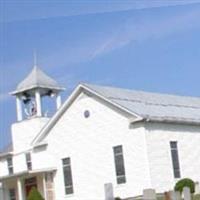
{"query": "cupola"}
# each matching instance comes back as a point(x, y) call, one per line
point(31, 91)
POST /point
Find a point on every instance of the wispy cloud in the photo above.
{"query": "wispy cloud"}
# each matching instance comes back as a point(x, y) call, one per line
point(131, 29)
point(19, 10)
point(148, 29)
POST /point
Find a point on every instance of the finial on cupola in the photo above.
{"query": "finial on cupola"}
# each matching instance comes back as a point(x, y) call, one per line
point(30, 92)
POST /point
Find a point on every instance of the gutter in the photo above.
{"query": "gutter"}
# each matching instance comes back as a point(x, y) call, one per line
point(167, 120)
point(3, 155)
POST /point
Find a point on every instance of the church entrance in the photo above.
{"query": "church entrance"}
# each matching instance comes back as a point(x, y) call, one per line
point(29, 184)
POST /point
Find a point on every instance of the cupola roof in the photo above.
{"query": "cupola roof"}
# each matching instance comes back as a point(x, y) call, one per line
point(37, 79)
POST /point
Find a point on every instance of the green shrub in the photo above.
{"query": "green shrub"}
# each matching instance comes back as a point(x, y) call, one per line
point(118, 198)
point(186, 182)
point(34, 195)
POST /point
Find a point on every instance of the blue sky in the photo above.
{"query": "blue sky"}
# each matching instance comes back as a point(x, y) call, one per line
point(145, 45)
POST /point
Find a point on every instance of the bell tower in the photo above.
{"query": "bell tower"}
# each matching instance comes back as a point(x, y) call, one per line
point(31, 115)
point(31, 91)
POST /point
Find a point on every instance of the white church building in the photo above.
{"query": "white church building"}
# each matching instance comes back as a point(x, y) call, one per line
point(132, 139)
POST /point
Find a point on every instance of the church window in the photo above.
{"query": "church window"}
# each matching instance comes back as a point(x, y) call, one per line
point(175, 159)
point(28, 161)
point(87, 113)
point(67, 172)
point(10, 165)
point(119, 164)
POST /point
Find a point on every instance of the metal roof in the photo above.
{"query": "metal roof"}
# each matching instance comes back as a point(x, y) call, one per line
point(153, 106)
point(37, 79)
point(145, 106)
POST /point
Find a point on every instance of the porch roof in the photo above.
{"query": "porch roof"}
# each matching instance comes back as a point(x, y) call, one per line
point(7, 151)
point(27, 172)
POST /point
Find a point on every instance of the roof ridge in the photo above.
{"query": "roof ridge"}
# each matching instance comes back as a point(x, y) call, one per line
point(142, 91)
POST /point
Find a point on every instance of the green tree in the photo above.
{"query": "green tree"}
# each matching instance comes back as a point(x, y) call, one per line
point(35, 195)
point(186, 182)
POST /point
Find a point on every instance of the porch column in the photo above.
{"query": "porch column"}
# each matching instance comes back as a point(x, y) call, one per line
point(44, 186)
point(1, 191)
point(19, 189)
point(4, 190)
